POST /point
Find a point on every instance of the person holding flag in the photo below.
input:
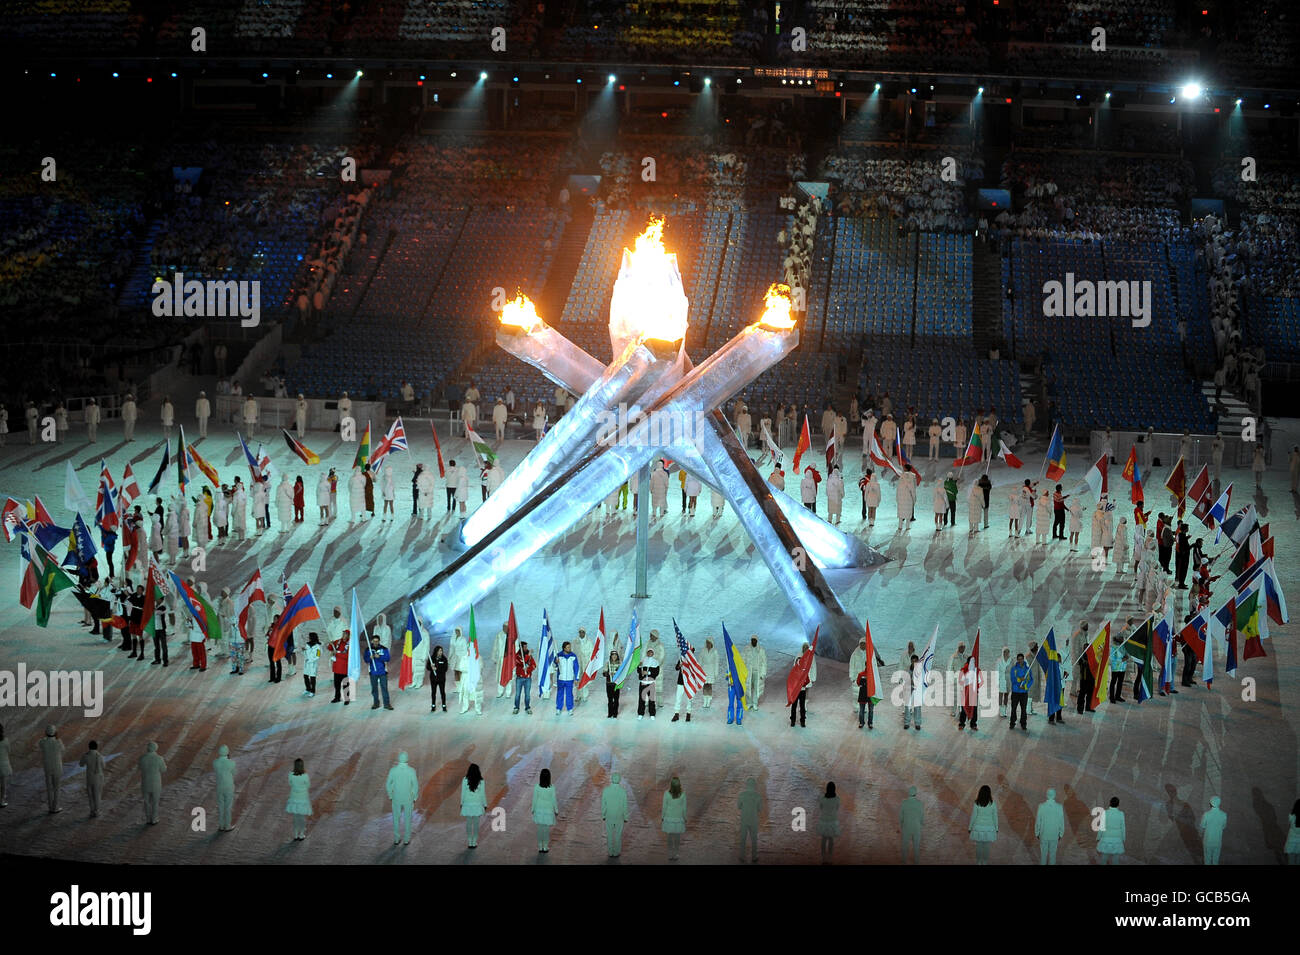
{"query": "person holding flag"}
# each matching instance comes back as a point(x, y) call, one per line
point(412, 637)
point(592, 659)
point(737, 679)
point(802, 676)
point(970, 680)
point(862, 672)
point(690, 675)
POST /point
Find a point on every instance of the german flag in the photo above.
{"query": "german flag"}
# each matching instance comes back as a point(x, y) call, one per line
point(297, 447)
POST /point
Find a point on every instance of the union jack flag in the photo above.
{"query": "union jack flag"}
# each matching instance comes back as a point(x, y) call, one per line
point(692, 672)
point(394, 440)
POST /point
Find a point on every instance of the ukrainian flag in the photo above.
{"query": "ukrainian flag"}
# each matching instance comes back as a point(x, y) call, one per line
point(735, 665)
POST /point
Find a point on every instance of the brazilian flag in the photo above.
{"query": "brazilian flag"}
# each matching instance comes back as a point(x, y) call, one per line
point(51, 579)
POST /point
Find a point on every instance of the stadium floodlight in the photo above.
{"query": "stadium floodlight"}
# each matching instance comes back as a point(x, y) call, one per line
point(483, 75)
point(611, 78)
point(979, 92)
point(1238, 101)
point(877, 87)
point(267, 75)
point(1107, 94)
point(707, 81)
point(453, 74)
point(1191, 90)
point(173, 76)
point(329, 76)
point(360, 74)
point(421, 76)
point(115, 77)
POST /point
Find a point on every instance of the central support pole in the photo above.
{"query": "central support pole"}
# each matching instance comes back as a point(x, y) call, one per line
point(642, 531)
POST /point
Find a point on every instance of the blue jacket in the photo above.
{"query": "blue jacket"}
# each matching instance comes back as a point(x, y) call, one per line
point(1118, 658)
point(376, 659)
point(566, 667)
point(1021, 678)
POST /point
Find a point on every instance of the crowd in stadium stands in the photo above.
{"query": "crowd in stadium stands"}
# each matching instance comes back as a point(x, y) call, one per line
point(329, 253)
point(1139, 196)
point(486, 170)
point(913, 34)
point(910, 190)
point(704, 31)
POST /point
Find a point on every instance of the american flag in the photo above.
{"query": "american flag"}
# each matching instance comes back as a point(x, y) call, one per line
point(692, 672)
point(394, 440)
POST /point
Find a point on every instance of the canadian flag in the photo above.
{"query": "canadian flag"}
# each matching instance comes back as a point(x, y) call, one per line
point(597, 655)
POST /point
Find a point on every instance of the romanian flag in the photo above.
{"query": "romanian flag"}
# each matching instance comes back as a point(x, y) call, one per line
point(974, 449)
point(805, 442)
point(735, 665)
point(798, 678)
point(869, 672)
point(1098, 661)
point(597, 659)
point(363, 450)
point(50, 579)
point(508, 658)
point(1049, 660)
point(971, 681)
point(301, 609)
point(412, 637)
point(307, 456)
point(199, 609)
point(1056, 456)
point(1177, 485)
point(182, 463)
point(208, 470)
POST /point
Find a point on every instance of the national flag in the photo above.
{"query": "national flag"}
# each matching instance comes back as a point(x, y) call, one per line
point(1218, 511)
point(631, 654)
point(357, 638)
point(507, 662)
point(1049, 661)
point(1162, 647)
point(256, 472)
point(903, 458)
point(926, 663)
point(412, 637)
point(182, 463)
point(1133, 474)
point(394, 440)
point(208, 470)
point(437, 447)
point(1005, 454)
point(545, 655)
point(878, 456)
point(129, 491)
point(39, 516)
point(41, 525)
point(1275, 601)
point(1097, 476)
point(1223, 625)
point(248, 595)
point(202, 611)
point(1239, 525)
point(50, 579)
point(29, 584)
point(830, 450)
point(1097, 660)
point(969, 681)
point(1140, 647)
point(74, 498)
point(155, 587)
point(1199, 493)
point(797, 681)
point(974, 452)
point(106, 512)
point(1194, 634)
point(773, 452)
point(597, 658)
point(483, 452)
point(1055, 461)
point(81, 546)
point(299, 609)
point(805, 442)
point(305, 454)
point(692, 672)
point(1249, 553)
point(1177, 485)
point(1250, 624)
point(98, 608)
point(736, 667)
point(14, 516)
point(869, 672)
point(163, 465)
point(362, 458)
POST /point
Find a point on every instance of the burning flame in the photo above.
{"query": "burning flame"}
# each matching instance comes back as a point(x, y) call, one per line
point(522, 312)
point(776, 311)
point(649, 300)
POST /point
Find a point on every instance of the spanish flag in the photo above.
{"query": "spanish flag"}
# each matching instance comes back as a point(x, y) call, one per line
point(412, 637)
point(1098, 661)
point(208, 470)
point(297, 447)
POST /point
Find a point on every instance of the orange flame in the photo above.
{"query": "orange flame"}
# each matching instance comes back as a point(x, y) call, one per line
point(648, 300)
point(521, 312)
point(776, 311)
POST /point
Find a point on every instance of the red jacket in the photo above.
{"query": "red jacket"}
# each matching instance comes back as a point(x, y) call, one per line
point(340, 650)
point(524, 665)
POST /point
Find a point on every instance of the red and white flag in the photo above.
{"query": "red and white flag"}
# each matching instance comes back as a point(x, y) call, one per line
point(129, 491)
point(1200, 494)
point(831, 449)
point(394, 440)
point(1098, 475)
point(878, 456)
point(1005, 454)
point(250, 593)
point(692, 673)
point(597, 659)
point(971, 679)
point(442, 470)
